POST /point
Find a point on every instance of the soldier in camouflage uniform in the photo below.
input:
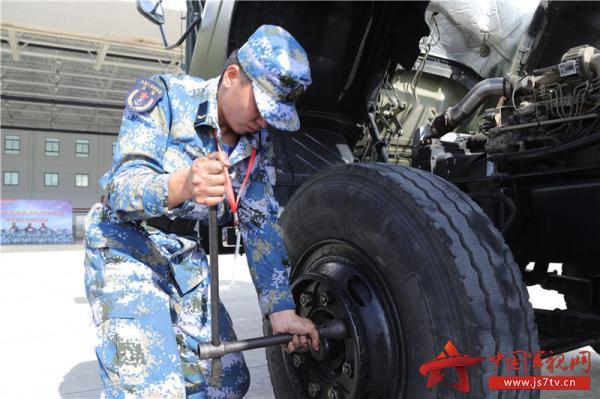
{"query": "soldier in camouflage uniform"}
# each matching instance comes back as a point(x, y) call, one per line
point(149, 286)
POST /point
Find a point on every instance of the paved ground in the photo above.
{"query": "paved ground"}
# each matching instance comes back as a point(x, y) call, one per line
point(50, 343)
point(47, 336)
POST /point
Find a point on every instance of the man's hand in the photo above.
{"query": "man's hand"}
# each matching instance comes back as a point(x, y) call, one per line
point(204, 182)
point(287, 321)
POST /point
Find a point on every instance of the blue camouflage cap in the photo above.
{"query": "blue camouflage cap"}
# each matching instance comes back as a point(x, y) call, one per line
point(278, 67)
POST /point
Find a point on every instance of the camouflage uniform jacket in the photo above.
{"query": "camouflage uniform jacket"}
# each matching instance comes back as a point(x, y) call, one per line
point(167, 138)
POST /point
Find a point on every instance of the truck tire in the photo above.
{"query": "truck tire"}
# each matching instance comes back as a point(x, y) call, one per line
point(409, 263)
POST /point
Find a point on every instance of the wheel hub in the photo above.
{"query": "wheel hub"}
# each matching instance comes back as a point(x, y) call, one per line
point(336, 286)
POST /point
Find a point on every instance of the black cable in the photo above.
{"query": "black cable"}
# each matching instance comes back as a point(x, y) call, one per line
point(534, 154)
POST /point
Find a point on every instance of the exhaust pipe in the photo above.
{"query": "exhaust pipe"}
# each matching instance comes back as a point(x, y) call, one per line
point(454, 115)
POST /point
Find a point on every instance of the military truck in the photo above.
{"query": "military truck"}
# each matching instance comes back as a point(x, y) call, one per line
point(438, 172)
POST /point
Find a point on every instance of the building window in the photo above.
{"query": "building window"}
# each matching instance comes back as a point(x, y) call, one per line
point(81, 180)
point(11, 179)
point(52, 146)
point(51, 179)
point(12, 144)
point(82, 148)
point(114, 148)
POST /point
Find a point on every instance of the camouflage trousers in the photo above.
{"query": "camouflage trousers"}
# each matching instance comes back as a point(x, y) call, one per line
point(148, 332)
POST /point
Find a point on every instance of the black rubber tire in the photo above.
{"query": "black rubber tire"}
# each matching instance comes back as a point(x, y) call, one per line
point(447, 270)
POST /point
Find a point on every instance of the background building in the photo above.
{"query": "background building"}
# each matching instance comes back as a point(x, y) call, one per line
point(42, 164)
point(63, 84)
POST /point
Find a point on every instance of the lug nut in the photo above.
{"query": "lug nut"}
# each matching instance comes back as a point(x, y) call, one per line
point(324, 298)
point(334, 393)
point(347, 369)
point(298, 360)
point(313, 389)
point(306, 299)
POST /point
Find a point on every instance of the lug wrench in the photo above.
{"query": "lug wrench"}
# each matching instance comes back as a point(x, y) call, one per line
point(216, 349)
point(332, 330)
point(213, 247)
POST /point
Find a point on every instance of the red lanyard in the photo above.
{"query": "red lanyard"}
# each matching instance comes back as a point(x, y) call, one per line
point(231, 198)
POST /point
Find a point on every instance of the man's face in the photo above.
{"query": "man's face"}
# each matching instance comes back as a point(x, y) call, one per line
point(236, 103)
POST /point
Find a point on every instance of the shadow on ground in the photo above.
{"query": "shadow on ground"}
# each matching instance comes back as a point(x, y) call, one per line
point(81, 375)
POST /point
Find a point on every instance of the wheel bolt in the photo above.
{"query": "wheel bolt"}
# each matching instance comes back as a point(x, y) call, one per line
point(313, 389)
point(334, 393)
point(347, 369)
point(324, 298)
point(298, 360)
point(306, 299)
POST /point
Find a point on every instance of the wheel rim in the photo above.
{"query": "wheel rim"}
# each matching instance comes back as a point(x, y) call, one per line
point(335, 280)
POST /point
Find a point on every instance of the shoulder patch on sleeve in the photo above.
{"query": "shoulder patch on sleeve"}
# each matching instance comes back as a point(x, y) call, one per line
point(144, 95)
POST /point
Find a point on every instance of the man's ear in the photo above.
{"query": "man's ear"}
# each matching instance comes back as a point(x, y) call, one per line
point(231, 73)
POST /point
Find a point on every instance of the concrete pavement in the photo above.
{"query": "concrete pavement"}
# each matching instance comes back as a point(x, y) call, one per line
point(47, 338)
